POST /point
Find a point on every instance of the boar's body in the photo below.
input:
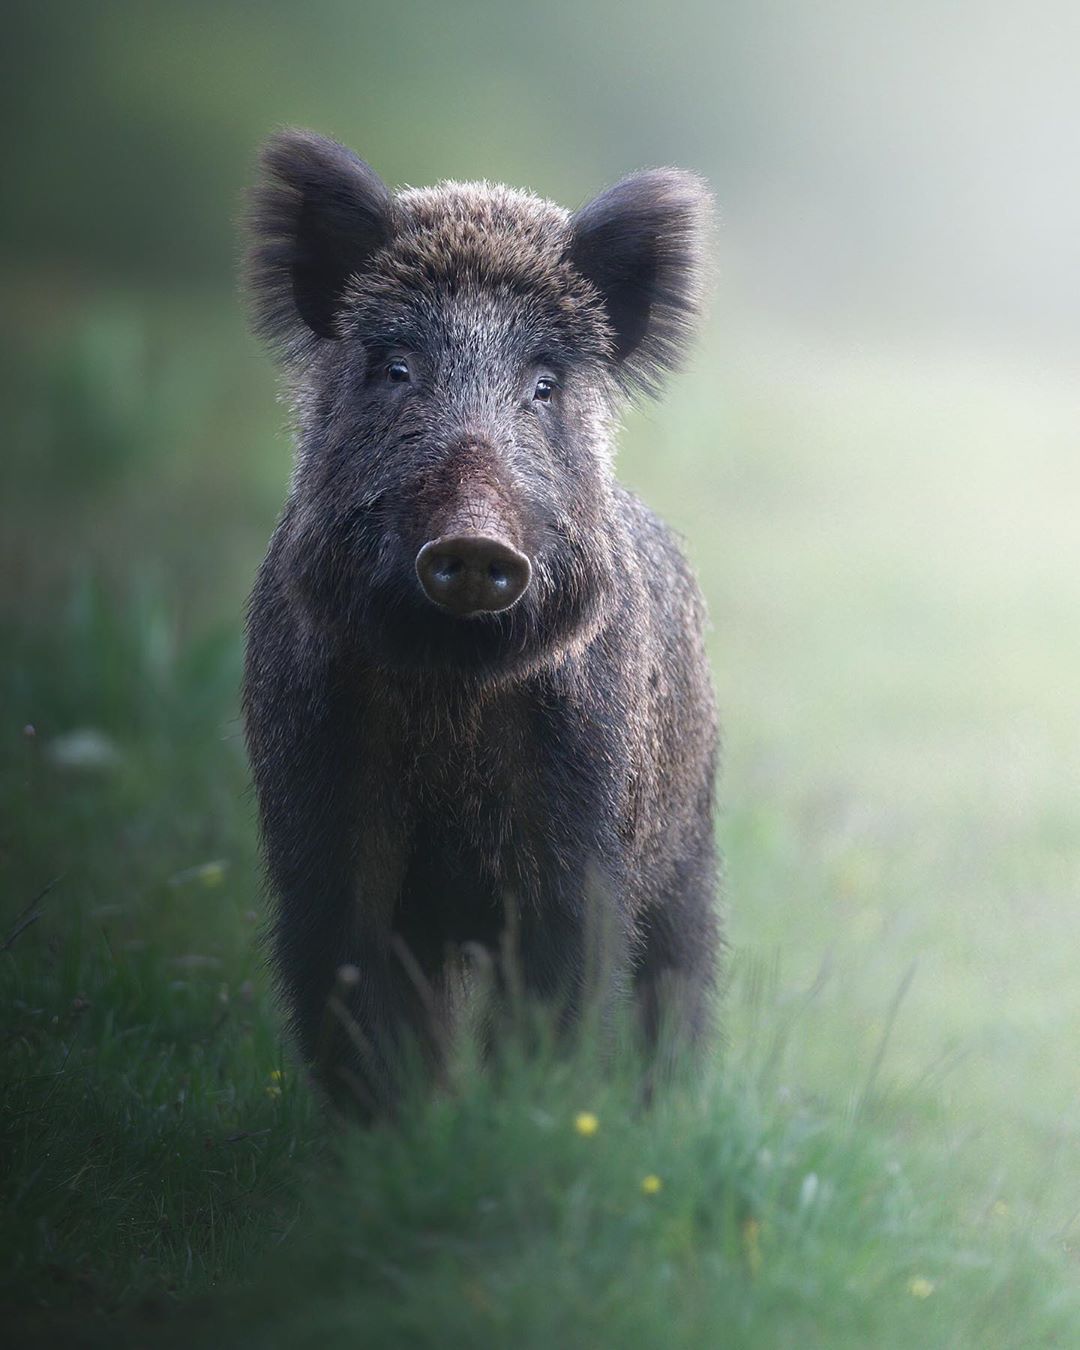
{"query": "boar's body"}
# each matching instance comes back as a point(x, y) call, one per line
point(477, 703)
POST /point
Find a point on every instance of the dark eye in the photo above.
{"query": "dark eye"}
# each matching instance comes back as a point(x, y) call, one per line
point(545, 388)
point(397, 372)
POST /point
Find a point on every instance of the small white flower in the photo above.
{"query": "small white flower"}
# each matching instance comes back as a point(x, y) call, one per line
point(808, 1191)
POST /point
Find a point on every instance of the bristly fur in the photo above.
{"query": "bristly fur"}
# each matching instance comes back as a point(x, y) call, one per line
point(486, 238)
point(519, 779)
point(626, 271)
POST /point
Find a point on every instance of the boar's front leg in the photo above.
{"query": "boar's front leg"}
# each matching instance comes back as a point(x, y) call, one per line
point(566, 950)
point(359, 1004)
point(567, 943)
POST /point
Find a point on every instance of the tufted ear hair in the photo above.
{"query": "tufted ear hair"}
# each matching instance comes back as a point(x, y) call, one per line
point(642, 245)
point(318, 213)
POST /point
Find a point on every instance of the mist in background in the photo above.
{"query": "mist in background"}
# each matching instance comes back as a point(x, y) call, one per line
point(896, 165)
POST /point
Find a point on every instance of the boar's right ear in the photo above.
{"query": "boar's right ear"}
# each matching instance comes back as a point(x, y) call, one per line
point(318, 214)
point(642, 245)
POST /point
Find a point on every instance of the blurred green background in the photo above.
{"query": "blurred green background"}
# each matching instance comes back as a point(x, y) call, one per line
point(873, 459)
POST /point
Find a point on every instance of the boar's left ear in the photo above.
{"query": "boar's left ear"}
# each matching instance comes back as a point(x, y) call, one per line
point(642, 245)
point(318, 214)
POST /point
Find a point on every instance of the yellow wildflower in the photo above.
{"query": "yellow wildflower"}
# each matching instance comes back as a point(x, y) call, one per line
point(920, 1287)
point(651, 1185)
point(586, 1123)
point(751, 1237)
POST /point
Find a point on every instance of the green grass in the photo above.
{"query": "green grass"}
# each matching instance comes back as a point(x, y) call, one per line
point(489, 1219)
point(885, 1149)
point(142, 1152)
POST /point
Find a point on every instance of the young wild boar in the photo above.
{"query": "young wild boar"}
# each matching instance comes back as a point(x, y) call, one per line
point(477, 704)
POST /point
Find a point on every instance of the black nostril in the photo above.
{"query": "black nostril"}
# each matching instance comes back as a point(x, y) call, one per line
point(472, 574)
point(447, 568)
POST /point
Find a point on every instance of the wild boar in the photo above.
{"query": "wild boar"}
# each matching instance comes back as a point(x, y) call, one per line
point(476, 698)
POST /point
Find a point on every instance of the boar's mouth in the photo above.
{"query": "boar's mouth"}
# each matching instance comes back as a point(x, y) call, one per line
point(498, 636)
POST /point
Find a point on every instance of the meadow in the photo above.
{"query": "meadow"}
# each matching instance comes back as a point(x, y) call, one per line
point(883, 1148)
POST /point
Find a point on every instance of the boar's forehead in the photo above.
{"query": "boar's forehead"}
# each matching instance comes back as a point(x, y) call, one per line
point(483, 261)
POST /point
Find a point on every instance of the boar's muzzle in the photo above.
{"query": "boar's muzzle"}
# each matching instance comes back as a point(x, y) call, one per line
point(472, 573)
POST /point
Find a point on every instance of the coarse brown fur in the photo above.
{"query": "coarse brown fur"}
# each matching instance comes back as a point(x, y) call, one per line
point(521, 779)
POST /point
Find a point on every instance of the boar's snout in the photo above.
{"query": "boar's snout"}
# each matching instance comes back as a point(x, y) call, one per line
point(472, 573)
